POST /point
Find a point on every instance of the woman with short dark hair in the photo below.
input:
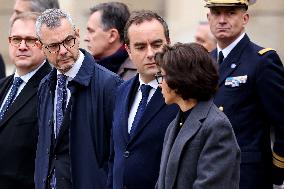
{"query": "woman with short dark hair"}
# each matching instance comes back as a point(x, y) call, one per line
point(200, 149)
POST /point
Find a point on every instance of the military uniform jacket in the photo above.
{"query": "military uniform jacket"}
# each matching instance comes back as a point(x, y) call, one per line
point(251, 94)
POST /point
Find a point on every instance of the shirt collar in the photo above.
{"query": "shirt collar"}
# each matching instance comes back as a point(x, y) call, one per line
point(229, 48)
point(152, 83)
point(75, 69)
point(28, 76)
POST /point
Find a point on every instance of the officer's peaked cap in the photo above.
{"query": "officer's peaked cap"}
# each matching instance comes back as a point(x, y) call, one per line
point(226, 3)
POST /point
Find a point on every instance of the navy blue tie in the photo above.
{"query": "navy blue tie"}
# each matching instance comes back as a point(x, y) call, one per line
point(145, 89)
point(220, 57)
point(16, 84)
point(61, 100)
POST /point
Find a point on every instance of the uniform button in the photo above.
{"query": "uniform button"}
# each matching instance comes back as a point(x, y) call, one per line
point(126, 154)
point(221, 108)
point(55, 157)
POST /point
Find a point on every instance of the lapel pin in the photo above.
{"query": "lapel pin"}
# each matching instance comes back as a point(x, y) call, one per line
point(233, 66)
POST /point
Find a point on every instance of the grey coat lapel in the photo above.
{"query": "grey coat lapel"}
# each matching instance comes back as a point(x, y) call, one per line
point(192, 124)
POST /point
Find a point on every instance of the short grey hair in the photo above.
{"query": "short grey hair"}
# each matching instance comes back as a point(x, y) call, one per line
point(52, 19)
point(42, 5)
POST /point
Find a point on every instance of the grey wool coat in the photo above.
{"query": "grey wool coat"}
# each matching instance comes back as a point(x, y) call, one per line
point(203, 155)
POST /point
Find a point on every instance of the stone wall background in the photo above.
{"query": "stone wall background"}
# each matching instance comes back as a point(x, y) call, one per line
point(266, 25)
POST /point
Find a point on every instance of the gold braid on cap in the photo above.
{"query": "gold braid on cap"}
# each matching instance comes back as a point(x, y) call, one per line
point(210, 3)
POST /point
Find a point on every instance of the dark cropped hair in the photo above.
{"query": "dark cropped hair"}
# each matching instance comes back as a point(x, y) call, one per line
point(138, 17)
point(113, 15)
point(189, 70)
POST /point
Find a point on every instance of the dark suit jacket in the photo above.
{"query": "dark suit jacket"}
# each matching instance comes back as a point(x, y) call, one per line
point(204, 154)
point(18, 134)
point(135, 162)
point(2, 68)
point(251, 91)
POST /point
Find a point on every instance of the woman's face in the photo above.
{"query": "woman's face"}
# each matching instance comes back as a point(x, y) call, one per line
point(169, 94)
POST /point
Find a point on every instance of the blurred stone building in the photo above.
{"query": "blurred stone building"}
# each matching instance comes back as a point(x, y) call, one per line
point(266, 25)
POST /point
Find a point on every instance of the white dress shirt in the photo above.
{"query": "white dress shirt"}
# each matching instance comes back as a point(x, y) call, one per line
point(138, 98)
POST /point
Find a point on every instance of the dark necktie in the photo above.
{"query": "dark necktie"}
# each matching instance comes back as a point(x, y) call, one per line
point(61, 100)
point(15, 86)
point(145, 89)
point(60, 107)
point(220, 57)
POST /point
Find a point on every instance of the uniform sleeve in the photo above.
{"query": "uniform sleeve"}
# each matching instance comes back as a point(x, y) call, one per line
point(270, 87)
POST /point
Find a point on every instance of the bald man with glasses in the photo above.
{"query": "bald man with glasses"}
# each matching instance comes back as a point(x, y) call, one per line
point(18, 104)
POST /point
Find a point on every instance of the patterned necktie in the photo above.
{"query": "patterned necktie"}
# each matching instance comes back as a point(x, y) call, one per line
point(61, 100)
point(145, 89)
point(16, 84)
point(220, 57)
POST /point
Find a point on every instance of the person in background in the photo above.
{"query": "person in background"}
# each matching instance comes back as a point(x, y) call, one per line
point(199, 146)
point(2, 68)
point(203, 36)
point(141, 116)
point(251, 90)
point(18, 104)
point(39, 6)
point(105, 39)
point(76, 102)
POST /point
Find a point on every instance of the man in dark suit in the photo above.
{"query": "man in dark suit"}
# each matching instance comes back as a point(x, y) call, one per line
point(251, 91)
point(75, 110)
point(2, 67)
point(18, 117)
point(140, 118)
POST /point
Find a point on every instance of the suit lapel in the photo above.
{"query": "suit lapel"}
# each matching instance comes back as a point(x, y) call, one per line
point(232, 61)
point(192, 124)
point(153, 107)
point(129, 95)
point(5, 86)
point(27, 93)
point(167, 149)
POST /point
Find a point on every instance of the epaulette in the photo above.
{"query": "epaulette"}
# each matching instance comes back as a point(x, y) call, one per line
point(263, 51)
point(277, 160)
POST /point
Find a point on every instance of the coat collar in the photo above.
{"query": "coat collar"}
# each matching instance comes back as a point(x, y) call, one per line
point(175, 144)
point(83, 77)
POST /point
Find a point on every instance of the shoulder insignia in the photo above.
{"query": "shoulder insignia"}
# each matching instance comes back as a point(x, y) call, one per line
point(277, 160)
point(263, 51)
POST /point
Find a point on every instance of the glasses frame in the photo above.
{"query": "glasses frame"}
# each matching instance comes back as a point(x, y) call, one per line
point(159, 77)
point(25, 40)
point(59, 44)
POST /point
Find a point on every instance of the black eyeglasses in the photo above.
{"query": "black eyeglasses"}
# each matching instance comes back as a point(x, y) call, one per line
point(159, 77)
point(68, 43)
point(17, 40)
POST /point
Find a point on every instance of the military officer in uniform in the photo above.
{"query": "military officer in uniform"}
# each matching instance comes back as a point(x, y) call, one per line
point(251, 93)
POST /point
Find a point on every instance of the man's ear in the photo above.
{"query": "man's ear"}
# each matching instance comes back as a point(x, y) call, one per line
point(128, 50)
point(77, 32)
point(113, 35)
point(38, 44)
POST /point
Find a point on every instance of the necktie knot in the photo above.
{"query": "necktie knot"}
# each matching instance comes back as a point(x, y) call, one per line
point(145, 89)
point(61, 80)
point(17, 81)
point(220, 57)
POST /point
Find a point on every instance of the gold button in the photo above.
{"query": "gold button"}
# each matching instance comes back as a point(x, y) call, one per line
point(221, 108)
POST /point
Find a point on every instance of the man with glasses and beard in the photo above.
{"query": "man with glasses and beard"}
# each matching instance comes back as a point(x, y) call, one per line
point(75, 109)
